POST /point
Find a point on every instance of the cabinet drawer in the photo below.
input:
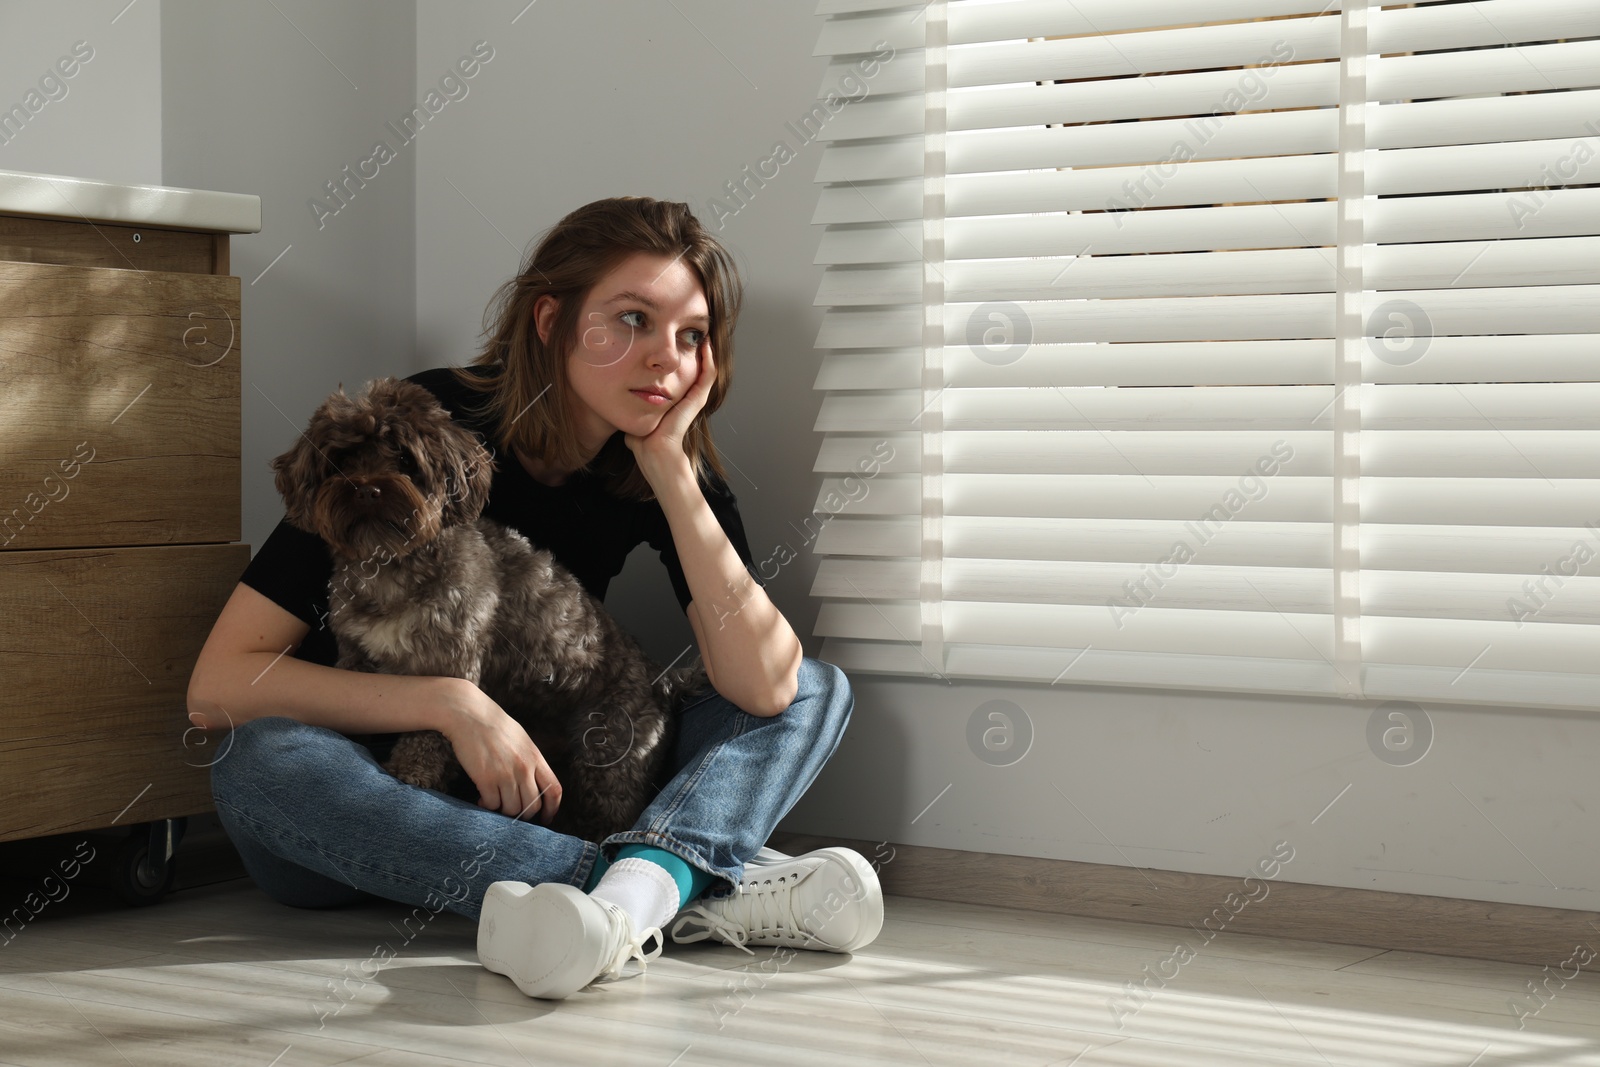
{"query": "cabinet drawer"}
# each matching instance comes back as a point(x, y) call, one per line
point(106, 244)
point(97, 656)
point(119, 403)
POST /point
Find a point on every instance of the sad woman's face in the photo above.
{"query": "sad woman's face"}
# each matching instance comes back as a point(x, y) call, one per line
point(641, 330)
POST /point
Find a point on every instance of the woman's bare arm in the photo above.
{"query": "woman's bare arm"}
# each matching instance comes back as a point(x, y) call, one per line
point(245, 671)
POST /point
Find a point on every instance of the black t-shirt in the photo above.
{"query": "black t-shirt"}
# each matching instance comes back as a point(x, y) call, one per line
point(586, 529)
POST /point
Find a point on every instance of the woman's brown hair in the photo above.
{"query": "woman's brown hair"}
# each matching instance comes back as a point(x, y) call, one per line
point(568, 260)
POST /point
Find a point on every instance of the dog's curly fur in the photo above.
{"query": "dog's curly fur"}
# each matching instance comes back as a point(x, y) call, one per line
point(424, 585)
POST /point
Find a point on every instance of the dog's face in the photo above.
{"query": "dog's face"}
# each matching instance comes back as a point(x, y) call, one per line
point(383, 473)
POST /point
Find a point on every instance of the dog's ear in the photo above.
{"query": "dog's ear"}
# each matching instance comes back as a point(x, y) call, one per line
point(470, 473)
point(299, 472)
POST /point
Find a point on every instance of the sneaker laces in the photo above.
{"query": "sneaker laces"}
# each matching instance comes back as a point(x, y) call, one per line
point(625, 945)
point(758, 910)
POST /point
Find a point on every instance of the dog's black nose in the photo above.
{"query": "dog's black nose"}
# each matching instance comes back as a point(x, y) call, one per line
point(368, 494)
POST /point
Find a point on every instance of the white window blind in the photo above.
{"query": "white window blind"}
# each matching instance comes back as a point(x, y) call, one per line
point(1256, 355)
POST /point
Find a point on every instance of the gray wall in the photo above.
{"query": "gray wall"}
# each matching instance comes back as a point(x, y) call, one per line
point(1502, 807)
point(104, 121)
point(584, 100)
point(276, 100)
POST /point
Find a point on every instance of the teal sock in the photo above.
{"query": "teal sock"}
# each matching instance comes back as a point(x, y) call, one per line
point(600, 865)
point(691, 881)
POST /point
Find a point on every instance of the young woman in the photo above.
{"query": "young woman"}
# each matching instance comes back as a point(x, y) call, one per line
point(609, 351)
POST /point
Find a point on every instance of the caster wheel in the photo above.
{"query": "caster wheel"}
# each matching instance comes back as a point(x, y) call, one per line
point(137, 882)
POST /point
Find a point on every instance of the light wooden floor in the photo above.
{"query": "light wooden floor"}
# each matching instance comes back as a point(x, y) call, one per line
point(220, 975)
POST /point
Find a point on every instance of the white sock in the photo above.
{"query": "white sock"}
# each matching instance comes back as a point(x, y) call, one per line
point(645, 890)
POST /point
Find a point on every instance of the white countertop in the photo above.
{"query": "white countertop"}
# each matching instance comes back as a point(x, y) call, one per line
point(57, 196)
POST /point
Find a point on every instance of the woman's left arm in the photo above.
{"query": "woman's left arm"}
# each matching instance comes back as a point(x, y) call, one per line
point(750, 651)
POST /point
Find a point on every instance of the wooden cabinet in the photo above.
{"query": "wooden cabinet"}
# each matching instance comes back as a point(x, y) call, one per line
point(120, 347)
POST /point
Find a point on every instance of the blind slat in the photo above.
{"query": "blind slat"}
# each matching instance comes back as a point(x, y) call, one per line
point(977, 23)
point(1461, 217)
point(1504, 550)
point(1455, 168)
point(1492, 453)
point(1461, 501)
point(1528, 69)
point(1470, 406)
point(1132, 54)
point(1530, 358)
point(1511, 309)
point(1559, 261)
point(1206, 586)
point(1434, 27)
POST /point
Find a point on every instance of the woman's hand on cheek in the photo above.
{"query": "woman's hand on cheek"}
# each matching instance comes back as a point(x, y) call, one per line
point(664, 445)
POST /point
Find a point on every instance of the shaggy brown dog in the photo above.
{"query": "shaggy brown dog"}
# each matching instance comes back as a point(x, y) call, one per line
point(423, 584)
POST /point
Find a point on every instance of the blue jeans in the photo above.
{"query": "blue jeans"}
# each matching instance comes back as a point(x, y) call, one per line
point(319, 823)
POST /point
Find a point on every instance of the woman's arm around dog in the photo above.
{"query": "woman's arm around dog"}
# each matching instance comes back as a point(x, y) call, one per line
point(245, 672)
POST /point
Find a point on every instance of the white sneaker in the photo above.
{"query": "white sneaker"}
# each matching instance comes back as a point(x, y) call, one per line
point(828, 899)
point(553, 939)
